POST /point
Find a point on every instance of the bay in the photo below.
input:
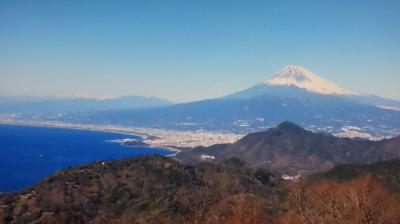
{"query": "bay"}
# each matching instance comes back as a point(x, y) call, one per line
point(30, 153)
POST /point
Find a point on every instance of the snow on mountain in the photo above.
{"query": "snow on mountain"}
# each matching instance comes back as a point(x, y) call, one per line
point(300, 77)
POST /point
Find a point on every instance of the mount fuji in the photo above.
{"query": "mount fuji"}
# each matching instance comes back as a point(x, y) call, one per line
point(298, 77)
point(294, 94)
point(296, 81)
point(305, 79)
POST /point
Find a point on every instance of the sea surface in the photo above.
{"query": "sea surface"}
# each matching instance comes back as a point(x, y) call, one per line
point(29, 153)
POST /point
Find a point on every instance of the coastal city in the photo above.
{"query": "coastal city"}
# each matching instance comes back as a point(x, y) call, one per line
point(150, 136)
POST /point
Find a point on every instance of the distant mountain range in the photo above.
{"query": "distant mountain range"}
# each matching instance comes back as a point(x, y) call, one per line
point(293, 150)
point(295, 94)
point(43, 105)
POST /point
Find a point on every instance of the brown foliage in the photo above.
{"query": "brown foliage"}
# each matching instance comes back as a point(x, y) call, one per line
point(148, 189)
point(228, 209)
point(359, 201)
point(246, 209)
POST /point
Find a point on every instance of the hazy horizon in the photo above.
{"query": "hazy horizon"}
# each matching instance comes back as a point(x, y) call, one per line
point(186, 51)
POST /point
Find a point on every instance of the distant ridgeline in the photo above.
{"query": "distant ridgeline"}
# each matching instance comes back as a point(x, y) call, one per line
point(290, 149)
point(294, 94)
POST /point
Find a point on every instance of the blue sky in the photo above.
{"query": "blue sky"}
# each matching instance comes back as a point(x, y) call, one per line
point(189, 50)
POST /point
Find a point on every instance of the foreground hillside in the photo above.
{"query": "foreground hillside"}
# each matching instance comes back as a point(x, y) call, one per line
point(148, 189)
point(348, 194)
point(386, 172)
point(291, 149)
point(155, 189)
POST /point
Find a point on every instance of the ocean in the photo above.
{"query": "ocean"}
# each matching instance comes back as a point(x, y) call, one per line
point(30, 153)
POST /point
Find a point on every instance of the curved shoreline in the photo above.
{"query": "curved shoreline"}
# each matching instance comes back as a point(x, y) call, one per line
point(91, 128)
point(156, 137)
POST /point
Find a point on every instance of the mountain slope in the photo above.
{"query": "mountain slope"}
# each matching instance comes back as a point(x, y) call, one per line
point(387, 172)
point(257, 113)
point(348, 194)
point(293, 150)
point(294, 94)
point(305, 79)
point(147, 189)
point(155, 189)
point(295, 77)
point(296, 81)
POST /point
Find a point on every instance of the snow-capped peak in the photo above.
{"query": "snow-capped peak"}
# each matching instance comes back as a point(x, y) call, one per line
point(298, 76)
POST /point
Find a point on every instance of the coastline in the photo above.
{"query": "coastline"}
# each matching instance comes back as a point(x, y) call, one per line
point(155, 137)
point(91, 128)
